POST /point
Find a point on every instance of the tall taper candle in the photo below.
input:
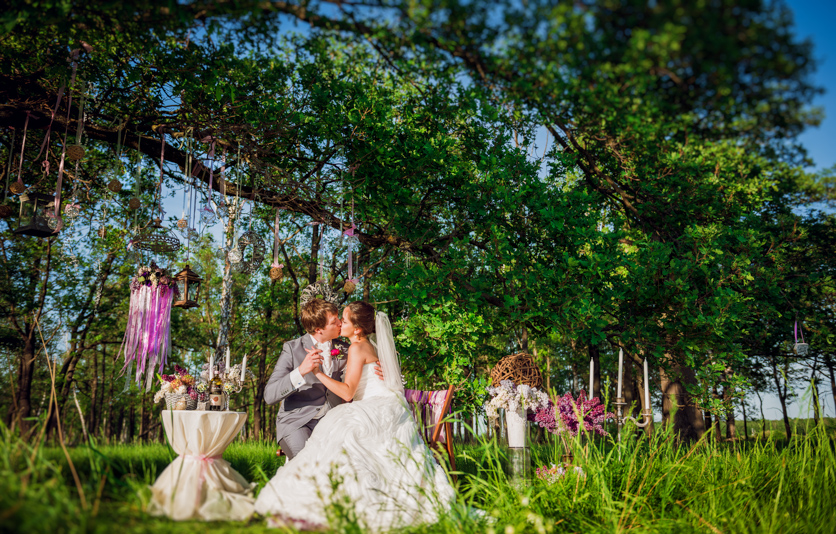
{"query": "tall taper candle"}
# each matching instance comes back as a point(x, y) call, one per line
point(646, 387)
point(620, 367)
point(211, 366)
point(244, 369)
point(228, 366)
point(591, 376)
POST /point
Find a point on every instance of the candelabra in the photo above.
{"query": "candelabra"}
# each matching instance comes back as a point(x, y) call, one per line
point(620, 418)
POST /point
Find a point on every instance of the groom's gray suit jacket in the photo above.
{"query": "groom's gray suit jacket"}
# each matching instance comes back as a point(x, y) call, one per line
point(300, 405)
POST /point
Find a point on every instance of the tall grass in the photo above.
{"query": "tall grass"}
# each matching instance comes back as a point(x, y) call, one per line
point(638, 485)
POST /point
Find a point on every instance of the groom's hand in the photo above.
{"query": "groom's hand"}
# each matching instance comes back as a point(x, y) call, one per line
point(311, 361)
point(379, 370)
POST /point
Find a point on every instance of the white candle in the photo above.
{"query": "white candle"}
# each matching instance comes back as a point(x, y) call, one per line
point(211, 366)
point(620, 366)
point(646, 387)
point(591, 375)
point(244, 369)
point(227, 359)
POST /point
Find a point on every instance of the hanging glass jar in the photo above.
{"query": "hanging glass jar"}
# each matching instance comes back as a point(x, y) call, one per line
point(33, 219)
point(188, 283)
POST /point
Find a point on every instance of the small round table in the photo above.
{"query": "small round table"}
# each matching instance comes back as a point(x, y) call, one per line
point(199, 483)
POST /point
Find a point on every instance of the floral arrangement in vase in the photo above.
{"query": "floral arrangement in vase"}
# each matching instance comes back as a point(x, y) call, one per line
point(512, 398)
point(552, 474)
point(180, 383)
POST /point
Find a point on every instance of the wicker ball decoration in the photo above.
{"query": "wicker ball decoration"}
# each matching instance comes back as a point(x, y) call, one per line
point(133, 203)
point(519, 368)
point(182, 224)
point(6, 211)
point(102, 232)
point(75, 152)
point(319, 290)
point(349, 287)
point(114, 185)
point(17, 188)
point(276, 273)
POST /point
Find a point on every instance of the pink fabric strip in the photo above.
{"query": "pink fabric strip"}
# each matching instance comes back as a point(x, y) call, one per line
point(22, 147)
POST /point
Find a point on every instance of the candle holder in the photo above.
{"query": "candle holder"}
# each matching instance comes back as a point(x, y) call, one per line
point(620, 418)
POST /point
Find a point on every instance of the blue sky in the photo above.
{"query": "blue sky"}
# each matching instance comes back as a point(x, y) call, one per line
point(815, 20)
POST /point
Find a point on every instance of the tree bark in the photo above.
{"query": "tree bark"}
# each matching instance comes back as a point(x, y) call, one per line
point(678, 407)
point(728, 401)
point(745, 426)
point(782, 396)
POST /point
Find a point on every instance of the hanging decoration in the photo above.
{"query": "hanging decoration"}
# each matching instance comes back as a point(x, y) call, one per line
point(34, 214)
point(75, 151)
point(156, 239)
point(256, 244)
point(276, 267)
point(115, 185)
point(18, 188)
point(319, 290)
point(134, 203)
point(800, 349)
point(147, 341)
point(208, 214)
point(351, 284)
point(188, 286)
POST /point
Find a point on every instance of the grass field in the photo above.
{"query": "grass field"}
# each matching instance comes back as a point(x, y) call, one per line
point(767, 485)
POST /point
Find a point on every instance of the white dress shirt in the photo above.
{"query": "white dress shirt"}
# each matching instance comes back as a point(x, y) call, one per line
point(297, 380)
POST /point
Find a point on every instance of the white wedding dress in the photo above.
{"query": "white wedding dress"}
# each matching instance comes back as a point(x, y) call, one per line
point(368, 451)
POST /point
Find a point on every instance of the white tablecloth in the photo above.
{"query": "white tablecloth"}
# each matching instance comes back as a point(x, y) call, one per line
point(199, 484)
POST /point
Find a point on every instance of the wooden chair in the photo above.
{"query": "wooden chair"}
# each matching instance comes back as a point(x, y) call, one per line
point(440, 437)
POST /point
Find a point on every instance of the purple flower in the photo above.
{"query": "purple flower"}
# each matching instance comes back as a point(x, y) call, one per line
point(568, 414)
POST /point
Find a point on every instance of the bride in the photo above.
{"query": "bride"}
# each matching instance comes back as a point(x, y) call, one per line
point(368, 451)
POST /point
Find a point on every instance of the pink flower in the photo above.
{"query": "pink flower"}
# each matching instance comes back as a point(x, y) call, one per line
point(335, 352)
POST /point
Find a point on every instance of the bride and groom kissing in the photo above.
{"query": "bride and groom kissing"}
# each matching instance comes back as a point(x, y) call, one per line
point(346, 428)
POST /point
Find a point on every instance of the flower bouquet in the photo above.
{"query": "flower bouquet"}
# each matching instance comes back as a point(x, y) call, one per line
point(571, 416)
point(552, 474)
point(179, 390)
point(516, 401)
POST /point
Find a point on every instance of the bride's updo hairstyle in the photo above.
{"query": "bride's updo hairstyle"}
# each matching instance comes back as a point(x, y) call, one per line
point(361, 315)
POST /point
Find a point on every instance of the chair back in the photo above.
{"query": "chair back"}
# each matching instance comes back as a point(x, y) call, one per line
point(429, 408)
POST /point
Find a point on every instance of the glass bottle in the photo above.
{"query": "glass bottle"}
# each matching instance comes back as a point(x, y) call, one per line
point(216, 393)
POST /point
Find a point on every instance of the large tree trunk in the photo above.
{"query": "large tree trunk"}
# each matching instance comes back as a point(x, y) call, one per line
point(24, 383)
point(828, 362)
point(678, 407)
point(782, 396)
point(728, 402)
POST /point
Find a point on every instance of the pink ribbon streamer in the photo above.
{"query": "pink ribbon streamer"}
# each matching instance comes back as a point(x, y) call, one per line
point(22, 147)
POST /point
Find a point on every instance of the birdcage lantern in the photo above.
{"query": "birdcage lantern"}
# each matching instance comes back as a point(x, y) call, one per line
point(188, 283)
point(34, 208)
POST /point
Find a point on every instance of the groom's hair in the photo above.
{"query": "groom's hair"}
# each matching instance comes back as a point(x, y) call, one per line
point(315, 314)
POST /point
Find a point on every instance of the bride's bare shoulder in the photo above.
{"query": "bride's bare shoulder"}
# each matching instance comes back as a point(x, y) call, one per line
point(362, 351)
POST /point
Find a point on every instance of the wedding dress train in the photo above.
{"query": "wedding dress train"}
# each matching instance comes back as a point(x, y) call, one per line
point(368, 453)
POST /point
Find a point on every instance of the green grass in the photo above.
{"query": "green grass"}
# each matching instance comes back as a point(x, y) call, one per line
point(767, 485)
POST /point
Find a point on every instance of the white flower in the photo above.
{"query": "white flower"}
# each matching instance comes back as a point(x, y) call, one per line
point(182, 390)
point(165, 388)
point(160, 395)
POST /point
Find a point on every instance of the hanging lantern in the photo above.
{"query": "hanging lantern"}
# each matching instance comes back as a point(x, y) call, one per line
point(17, 188)
point(75, 152)
point(156, 239)
point(188, 283)
point(114, 185)
point(133, 203)
point(33, 220)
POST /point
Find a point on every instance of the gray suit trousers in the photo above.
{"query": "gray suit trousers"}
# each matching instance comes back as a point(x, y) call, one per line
point(295, 441)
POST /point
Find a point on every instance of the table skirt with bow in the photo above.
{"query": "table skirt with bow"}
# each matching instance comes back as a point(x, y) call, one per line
point(199, 483)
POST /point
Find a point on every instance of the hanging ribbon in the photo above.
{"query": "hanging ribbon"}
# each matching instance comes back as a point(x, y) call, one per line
point(57, 200)
point(52, 118)
point(22, 148)
point(160, 184)
point(276, 263)
point(796, 333)
point(11, 162)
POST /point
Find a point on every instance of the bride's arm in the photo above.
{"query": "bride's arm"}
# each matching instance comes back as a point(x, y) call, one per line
point(353, 370)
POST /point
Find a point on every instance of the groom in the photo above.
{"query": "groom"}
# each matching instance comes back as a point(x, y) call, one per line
point(306, 400)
